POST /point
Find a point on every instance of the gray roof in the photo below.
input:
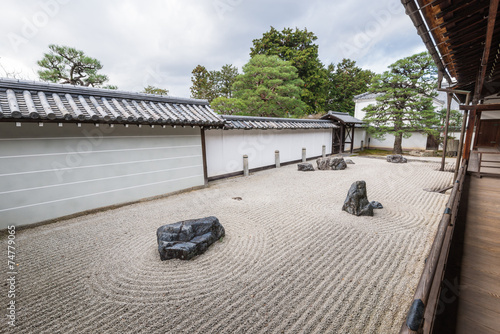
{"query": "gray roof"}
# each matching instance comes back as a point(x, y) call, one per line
point(250, 122)
point(366, 96)
point(39, 101)
point(342, 117)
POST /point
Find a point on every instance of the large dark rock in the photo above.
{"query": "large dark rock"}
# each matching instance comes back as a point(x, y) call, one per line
point(188, 238)
point(331, 163)
point(305, 167)
point(396, 158)
point(356, 202)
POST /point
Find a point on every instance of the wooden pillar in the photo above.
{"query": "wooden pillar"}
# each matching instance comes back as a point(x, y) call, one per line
point(342, 138)
point(460, 145)
point(478, 124)
point(468, 135)
point(204, 155)
point(445, 143)
point(352, 138)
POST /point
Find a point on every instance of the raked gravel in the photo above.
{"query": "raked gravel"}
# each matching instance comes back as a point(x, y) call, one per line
point(291, 262)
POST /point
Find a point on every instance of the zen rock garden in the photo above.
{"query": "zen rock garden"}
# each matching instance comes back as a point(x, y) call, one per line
point(356, 202)
point(396, 158)
point(186, 239)
point(331, 163)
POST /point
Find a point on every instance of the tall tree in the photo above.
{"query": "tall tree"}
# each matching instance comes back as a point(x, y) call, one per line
point(344, 82)
point(202, 86)
point(269, 86)
point(226, 79)
point(66, 65)
point(298, 47)
point(211, 84)
point(405, 102)
point(155, 90)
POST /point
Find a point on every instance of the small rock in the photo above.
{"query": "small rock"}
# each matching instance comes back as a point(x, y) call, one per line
point(349, 162)
point(305, 166)
point(331, 163)
point(376, 205)
point(396, 158)
point(356, 202)
point(237, 198)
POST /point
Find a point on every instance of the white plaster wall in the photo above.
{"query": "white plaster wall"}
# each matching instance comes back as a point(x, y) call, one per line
point(225, 148)
point(359, 113)
point(51, 171)
point(418, 141)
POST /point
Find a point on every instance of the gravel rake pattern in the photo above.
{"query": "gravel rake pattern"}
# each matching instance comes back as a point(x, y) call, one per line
point(291, 261)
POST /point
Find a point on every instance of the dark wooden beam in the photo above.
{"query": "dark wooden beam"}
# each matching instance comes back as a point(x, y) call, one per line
point(492, 15)
point(481, 107)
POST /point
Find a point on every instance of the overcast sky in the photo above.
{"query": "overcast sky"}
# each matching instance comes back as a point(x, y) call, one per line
point(159, 42)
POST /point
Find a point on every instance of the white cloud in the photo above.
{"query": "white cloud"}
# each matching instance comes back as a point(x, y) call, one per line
point(159, 42)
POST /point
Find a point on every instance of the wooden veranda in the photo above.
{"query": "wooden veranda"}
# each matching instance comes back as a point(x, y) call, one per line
point(459, 290)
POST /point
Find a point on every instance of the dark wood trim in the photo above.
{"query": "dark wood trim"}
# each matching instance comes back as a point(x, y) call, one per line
point(204, 153)
point(481, 107)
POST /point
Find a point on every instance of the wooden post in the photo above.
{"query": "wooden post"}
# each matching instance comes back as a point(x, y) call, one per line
point(277, 158)
point(323, 151)
point(478, 124)
point(468, 135)
point(204, 154)
point(352, 138)
point(303, 154)
point(445, 141)
point(342, 138)
point(245, 165)
point(460, 145)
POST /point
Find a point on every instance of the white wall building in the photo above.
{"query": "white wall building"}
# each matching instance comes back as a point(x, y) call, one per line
point(417, 141)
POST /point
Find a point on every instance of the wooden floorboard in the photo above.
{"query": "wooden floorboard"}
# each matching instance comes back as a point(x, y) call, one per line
point(479, 298)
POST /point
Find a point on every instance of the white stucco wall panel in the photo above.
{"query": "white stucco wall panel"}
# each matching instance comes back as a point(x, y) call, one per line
point(51, 171)
point(225, 148)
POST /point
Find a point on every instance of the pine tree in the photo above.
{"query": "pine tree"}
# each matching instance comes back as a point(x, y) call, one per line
point(405, 100)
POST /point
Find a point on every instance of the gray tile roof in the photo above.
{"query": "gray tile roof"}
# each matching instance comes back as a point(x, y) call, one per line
point(39, 101)
point(342, 117)
point(249, 122)
point(366, 96)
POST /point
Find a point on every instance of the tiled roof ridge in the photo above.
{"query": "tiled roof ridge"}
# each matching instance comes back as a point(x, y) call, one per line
point(17, 84)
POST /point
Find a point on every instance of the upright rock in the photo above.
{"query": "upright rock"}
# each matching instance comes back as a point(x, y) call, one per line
point(356, 202)
point(331, 163)
point(396, 158)
point(186, 239)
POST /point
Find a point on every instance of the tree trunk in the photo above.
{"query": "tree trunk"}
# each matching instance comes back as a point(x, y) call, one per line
point(398, 139)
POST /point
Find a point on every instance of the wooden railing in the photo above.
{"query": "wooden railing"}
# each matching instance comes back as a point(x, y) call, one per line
point(491, 163)
point(422, 311)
